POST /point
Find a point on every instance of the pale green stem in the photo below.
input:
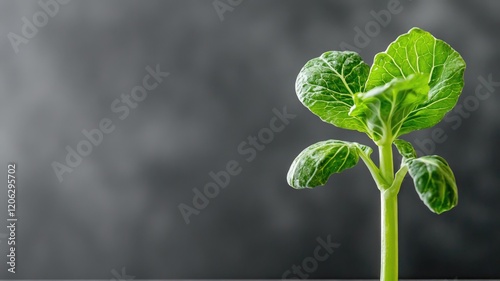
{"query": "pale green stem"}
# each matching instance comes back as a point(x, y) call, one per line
point(389, 217)
point(389, 236)
point(374, 171)
point(386, 166)
point(389, 185)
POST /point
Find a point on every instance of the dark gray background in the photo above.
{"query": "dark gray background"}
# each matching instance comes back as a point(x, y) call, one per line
point(119, 208)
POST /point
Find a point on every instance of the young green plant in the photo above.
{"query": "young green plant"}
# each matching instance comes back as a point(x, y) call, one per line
point(410, 86)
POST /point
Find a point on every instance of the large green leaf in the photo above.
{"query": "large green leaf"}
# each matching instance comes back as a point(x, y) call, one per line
point(315, 164)
point(420, 52)
point(384, 109)
point(326, 85)
point(434, 182)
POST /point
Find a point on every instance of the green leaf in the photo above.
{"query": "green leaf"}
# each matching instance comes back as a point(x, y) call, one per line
point(315, 164)
point(326, 85)
point(434, 182)
point(405, 149)
point(384, 109)
point(420, 52)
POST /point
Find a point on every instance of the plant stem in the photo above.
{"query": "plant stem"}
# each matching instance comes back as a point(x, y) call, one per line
point(389, 217)
point(374, 170)
point(389, 236)
point(386, 166)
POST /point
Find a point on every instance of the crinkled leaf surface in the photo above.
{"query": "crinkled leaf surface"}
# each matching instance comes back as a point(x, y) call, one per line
point(384, 109)
point(434, 182)
point(326, 85)
point(420, 52)
point(315, 164)
point(405, 149)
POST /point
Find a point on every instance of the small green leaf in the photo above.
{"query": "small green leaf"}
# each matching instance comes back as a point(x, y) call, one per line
point(384, 109)
point(405, 149)
point(315, 164)
point(420, 52)
point(434, 182)
point(326, 85)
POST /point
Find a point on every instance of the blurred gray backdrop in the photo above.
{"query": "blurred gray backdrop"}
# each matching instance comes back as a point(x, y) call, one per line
point(230, 63)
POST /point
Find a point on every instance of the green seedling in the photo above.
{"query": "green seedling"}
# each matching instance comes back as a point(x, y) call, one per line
point(410, 86)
